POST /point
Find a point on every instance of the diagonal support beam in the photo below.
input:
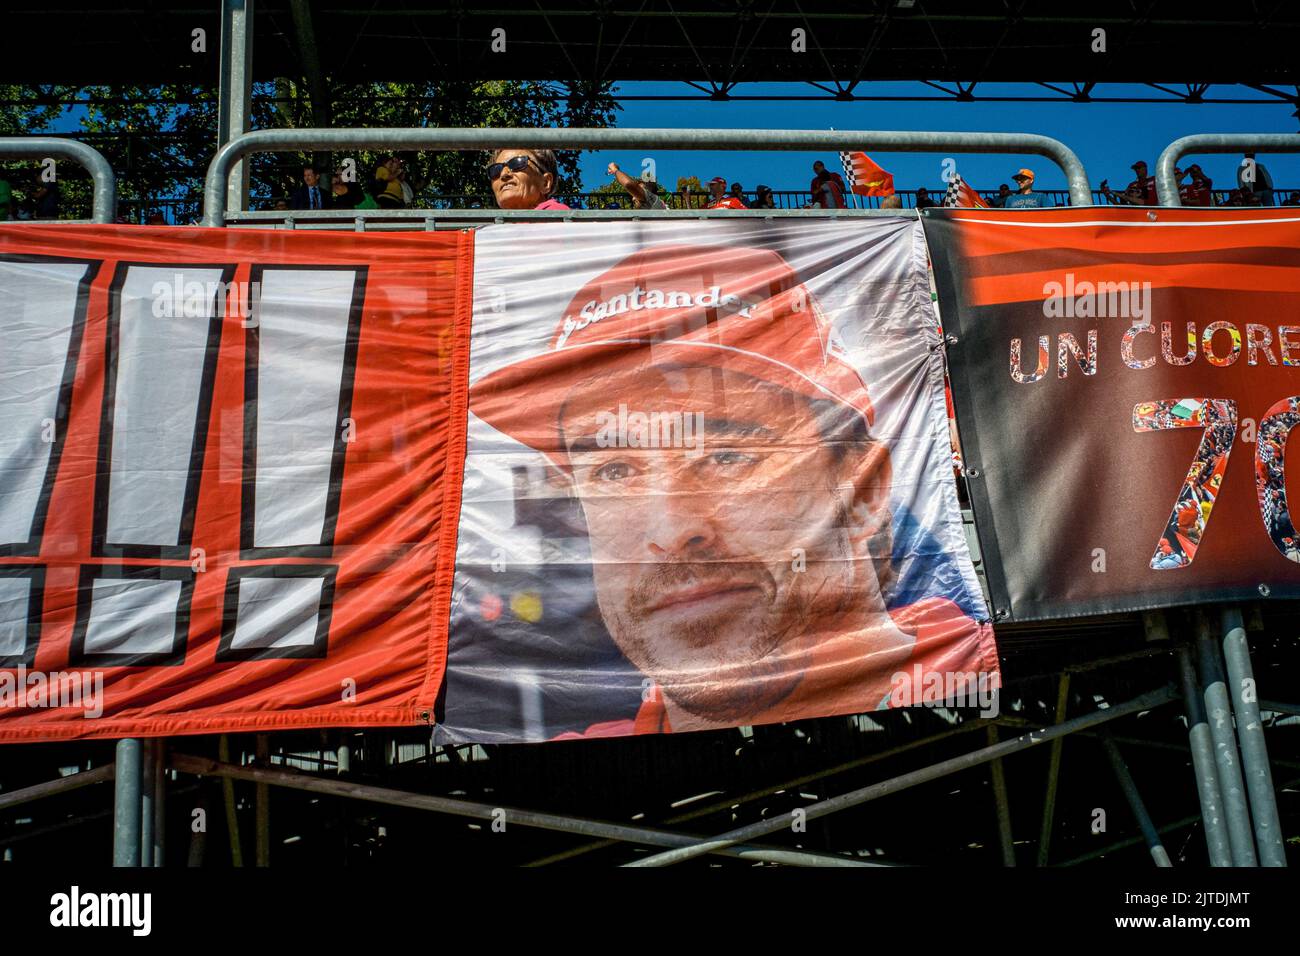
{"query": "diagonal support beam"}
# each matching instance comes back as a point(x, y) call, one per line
point(481, 811)
point(936, 771)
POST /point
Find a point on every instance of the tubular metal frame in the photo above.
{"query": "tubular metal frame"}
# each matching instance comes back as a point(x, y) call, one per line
point(104, 203)
point(217, 181)
point(1201, 143)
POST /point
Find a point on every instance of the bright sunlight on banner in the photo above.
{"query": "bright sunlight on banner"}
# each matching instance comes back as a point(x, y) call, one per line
point(708, 482)
point(1126, 381)
point(223, 473)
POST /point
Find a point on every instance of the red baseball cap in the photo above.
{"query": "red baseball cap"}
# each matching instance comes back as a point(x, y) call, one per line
point(735, 308)
point(716, 179)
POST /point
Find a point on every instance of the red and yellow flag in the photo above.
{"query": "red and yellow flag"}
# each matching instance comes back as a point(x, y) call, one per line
point(865, 177)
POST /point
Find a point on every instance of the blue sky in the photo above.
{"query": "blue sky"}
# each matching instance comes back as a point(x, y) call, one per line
point(1108, 137)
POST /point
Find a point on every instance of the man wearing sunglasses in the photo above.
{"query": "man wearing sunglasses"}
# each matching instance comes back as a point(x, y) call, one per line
point(524, 179)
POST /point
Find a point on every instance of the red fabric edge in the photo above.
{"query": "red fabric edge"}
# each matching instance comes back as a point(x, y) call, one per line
point(453, 479)
point(444, 572)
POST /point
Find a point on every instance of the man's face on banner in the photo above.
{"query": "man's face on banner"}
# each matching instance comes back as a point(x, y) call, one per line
point(728, 535)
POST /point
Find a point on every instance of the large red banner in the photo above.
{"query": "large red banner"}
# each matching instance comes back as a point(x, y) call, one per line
point(1126, 381)
point(223, 461)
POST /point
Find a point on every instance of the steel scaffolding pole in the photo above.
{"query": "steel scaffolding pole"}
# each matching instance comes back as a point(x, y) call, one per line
point(1202, 143)
point(235, 89)
point(1006, 838)
point(1053, 773)
point(149, 757)
point(104, 199)
point(788, 784)
point(1219, 714)
point(924, 775)
point(483, 811)
point(1201, 741)
point(159, 847)
point(262, 806)
point(217, 182)
point(1127, 784)
point(1250, 736)
point(126, 804)
point(74, 781)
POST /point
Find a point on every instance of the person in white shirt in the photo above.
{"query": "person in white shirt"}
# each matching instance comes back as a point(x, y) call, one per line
point(644, 193)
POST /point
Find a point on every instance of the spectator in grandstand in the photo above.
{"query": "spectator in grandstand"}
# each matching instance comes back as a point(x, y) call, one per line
point(345, 195)
point(408, 193)
point(1253, 179)
point(1293, 201)
point(719, 200)
point(311, 194)
point(1025, 197)
point(999, 200)
point(1198, 191)
point(644, 193)
point(44, 199)
point(524, 178)
point(827, 188)
point(763, 198)
point(738, 192)
point(893, 201)
point(1146, 184)
point(653, 195)
point(923, 200)
point(386, 187)
point(6, 199)
point(156, 218)
point(1234, 198)
point(281, 204)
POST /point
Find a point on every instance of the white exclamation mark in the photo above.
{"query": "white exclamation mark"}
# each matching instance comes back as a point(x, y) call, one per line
point(299, 369)
point(164, 332)
point(42, 316)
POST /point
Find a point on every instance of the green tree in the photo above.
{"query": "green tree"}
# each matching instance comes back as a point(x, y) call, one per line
point(690, 193)
point(160, 139)
point(28, 110)
point(607, 193)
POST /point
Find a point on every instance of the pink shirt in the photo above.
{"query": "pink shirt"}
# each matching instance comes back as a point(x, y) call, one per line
point(550, 204)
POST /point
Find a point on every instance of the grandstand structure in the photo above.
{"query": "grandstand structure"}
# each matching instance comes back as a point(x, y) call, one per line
point(1129, 691)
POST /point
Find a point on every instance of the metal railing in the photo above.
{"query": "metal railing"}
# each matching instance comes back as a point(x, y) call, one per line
point(1201, 143)
point(89, 158)
point(219, 171)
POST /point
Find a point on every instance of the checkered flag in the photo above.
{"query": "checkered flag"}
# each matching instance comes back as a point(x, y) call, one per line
point(864, 177)
point(959, 195)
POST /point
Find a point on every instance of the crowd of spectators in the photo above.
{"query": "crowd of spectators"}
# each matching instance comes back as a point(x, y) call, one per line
point(827, 189)
point(527, 179)
point(387, 187)
point(1195, 188)
point(39, 199)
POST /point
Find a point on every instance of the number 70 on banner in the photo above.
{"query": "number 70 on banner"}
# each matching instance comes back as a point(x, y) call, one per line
point(1217, 417)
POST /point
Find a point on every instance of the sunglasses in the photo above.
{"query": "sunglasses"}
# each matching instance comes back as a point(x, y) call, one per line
point(517, 164)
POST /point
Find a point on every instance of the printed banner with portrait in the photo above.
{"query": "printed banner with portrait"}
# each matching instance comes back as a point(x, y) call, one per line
point(1125, 383)
point(708, 482)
